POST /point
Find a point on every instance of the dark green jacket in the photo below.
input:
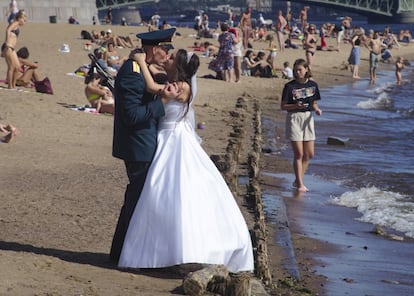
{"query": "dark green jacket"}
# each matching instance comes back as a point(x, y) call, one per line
point(136, 116)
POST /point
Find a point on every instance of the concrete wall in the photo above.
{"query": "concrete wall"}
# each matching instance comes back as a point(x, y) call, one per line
point(40, 11)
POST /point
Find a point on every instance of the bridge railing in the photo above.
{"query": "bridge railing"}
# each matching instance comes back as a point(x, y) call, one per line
point(383, 7)
point(104, 4)
point(406, 5)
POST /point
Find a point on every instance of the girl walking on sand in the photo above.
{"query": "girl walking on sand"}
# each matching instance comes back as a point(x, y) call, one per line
point(299, 99)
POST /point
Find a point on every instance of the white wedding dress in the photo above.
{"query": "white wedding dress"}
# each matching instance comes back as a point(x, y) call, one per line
point(186, 212)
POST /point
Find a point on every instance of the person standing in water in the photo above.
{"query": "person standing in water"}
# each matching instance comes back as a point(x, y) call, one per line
point(299, 98)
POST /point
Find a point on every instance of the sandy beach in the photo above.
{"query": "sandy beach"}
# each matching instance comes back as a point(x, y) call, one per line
point(62, 189)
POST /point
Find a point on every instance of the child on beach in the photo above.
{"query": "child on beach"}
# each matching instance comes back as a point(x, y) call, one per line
point(399, 65)
point(9, 131)
point(272, 50)
point(287, 72)
point(299, 99)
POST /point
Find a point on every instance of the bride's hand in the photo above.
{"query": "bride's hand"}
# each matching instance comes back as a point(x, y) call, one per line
point(180, 98)
point(138, 55)
point(170, 92)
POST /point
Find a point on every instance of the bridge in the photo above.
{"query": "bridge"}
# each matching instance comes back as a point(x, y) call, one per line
point(105, 4)
point(377, 11)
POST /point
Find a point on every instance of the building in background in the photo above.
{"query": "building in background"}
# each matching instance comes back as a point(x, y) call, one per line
point(55, 11)
point(260, 5)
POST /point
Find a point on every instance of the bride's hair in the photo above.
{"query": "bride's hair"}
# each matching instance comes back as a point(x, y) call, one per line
point(187, 66)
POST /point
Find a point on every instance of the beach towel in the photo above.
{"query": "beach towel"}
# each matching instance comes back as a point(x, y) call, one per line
point(83, 108)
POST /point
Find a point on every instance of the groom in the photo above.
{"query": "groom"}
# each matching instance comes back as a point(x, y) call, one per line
point(135, 124)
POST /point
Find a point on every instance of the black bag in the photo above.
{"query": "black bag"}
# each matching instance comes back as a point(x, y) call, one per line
point(86, 35)
point(44, 86)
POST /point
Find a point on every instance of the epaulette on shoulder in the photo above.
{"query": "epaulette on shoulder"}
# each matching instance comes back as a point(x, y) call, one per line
point(135, 67)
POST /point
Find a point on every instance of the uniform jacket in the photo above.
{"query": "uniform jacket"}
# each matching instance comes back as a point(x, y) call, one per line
point(136, 116)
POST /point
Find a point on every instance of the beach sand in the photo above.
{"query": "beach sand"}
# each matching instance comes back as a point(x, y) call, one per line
point(62, 189)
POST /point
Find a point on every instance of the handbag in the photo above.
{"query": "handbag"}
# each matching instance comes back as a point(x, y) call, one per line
point(44, 86)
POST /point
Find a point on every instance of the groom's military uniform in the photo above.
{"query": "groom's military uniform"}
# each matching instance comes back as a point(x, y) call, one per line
point(135, 130)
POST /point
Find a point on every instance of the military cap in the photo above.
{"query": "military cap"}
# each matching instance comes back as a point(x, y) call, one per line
point(158, 38)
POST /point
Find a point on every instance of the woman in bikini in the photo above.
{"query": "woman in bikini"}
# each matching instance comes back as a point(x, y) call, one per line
point(111, 57)
point(310, 44)
point(100, 97)
point(8, 49)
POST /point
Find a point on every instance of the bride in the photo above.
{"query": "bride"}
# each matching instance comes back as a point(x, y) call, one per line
point(186, 212)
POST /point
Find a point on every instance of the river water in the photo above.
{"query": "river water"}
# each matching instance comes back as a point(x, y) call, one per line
point(367, 182)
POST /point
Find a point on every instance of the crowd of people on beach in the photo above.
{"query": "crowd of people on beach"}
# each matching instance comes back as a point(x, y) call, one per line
point(229, 48)
point(151, 99)
point(232, 52)
point(153, 112)
point(154, 130)
point(233, 55)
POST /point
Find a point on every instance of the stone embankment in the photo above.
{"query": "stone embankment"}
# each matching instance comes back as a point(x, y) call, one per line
point(241, 162)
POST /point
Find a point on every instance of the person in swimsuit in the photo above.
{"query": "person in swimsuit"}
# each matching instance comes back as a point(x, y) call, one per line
point(375, 46)
point(399, 66)
point(310, 44)
point(29, 71)
point(8, 49)
point(280, 27)
point(100, 97)
point(112, 58)
point(122, 41)
point(303, 17)
point(245, 25)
